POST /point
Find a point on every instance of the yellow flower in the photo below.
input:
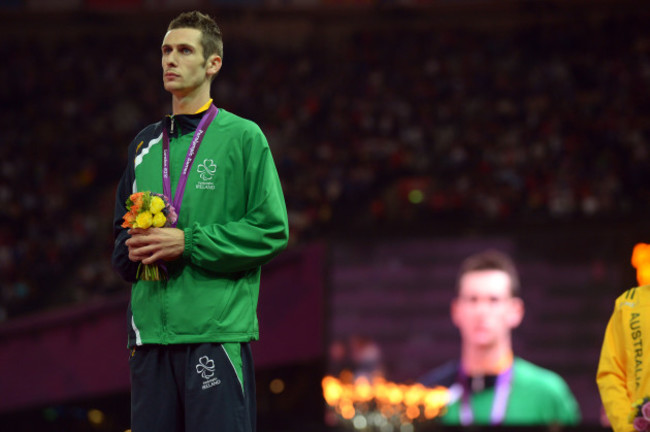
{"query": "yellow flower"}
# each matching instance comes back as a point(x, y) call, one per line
point(159, 220)
point(144, 220)
point(157, 204)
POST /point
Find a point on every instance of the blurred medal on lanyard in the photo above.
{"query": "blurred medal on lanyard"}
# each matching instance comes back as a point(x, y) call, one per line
point(501, 394)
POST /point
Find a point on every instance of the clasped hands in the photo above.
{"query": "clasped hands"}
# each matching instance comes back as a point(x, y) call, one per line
point(155, 244)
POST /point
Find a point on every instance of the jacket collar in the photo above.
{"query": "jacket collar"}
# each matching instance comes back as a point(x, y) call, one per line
point(185, 123)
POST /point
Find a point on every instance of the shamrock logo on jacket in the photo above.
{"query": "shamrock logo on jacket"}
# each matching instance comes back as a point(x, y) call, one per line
point(207, 169)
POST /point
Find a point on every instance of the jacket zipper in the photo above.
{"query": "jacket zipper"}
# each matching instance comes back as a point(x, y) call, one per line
point(163, 291)
point(163, 312)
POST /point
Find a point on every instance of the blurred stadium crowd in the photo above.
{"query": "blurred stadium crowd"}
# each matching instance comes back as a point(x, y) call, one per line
point(378, 131)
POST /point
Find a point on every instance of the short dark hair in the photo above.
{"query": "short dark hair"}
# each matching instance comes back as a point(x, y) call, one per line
point(491, 260)
point(211, 36)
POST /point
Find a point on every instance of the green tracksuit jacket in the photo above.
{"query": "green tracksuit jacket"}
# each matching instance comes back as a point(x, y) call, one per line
point(234, 218)
point(538, 396)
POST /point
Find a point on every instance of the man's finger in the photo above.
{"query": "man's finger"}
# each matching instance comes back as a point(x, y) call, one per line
point(140, 240)
point(152, 258)
point(140, 231)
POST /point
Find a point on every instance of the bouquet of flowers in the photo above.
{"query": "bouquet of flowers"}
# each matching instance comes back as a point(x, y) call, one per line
point(145, 210)
point(640, 415)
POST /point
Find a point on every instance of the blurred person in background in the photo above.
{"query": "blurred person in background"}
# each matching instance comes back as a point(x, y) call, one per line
point(622, 377)
point(191, 364)
point(357, 355)
point(489, 385)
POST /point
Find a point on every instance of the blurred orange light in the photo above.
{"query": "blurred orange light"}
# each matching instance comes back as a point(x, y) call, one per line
point(409, 403)
point(276, 386)
point(412, 412)
point(641, 261)
point(347, 410)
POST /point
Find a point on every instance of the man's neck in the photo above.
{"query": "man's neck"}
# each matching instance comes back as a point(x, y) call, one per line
point(490, 361)
point(190, 103)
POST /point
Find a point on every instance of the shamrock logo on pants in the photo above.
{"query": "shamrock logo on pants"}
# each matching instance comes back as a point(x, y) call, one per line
point(205, 367)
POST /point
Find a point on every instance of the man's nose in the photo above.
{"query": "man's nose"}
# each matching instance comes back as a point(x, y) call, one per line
point(170, 59)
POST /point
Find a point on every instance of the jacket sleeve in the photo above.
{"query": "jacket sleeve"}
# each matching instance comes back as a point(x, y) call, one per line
point(261, 233)
point(126, 268)
point(611, 376)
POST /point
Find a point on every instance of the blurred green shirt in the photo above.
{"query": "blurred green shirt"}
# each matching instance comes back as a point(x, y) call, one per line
point(537, 396)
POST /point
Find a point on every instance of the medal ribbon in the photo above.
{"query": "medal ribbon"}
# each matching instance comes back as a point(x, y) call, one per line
point(501, 395)
point(199, 134)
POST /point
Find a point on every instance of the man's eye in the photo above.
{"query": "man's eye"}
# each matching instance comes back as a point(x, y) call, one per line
point(186, 51)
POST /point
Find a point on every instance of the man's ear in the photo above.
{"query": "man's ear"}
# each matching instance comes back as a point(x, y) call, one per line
point(453, 311)
point(516, 313)
point(213, 65)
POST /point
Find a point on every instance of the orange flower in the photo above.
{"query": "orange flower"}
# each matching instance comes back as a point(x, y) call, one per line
point(136, 196)
point(136, 199)
point(129, 218)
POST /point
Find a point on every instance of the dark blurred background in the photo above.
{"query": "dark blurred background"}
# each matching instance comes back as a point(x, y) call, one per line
point(407, 134)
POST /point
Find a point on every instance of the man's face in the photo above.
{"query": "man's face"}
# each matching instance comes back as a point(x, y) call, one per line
point(184, 67)
point(485, 311)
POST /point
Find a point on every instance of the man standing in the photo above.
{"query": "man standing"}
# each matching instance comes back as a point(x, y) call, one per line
point(622, 377)
point(189, 334)
point(489, 385)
